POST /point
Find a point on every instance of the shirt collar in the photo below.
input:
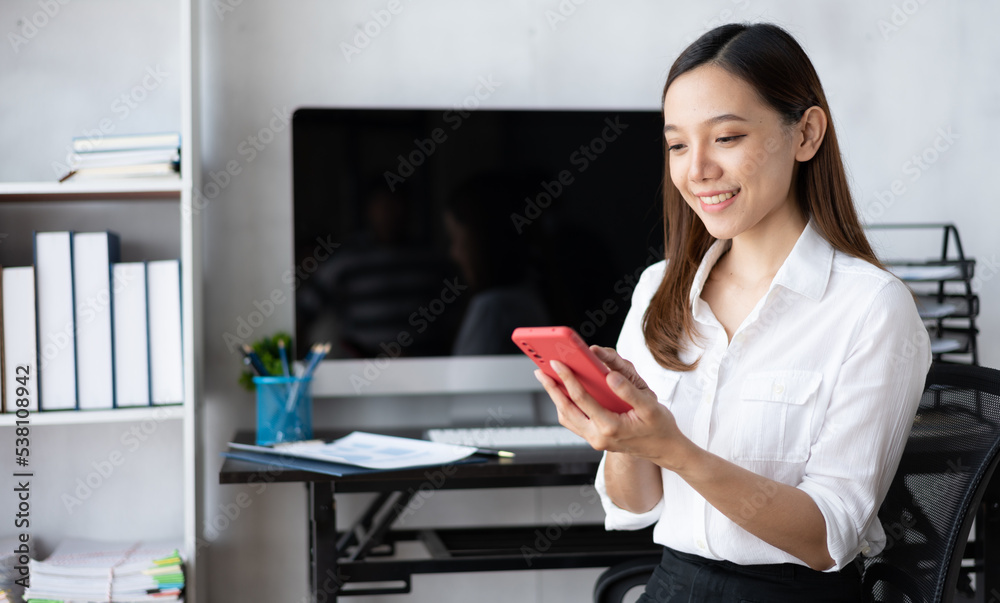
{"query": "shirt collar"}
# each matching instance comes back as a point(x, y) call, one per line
point(806, 270)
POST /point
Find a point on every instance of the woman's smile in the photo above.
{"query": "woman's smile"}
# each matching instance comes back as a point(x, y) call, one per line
point(717, 201)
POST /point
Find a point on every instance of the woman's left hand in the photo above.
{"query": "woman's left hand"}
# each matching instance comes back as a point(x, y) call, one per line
point(648, 431)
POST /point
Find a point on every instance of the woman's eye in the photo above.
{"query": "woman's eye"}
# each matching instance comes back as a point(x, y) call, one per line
point(675, 147)
point(725, 139)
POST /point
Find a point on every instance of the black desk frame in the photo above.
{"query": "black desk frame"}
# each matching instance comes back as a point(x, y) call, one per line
point(361, 554)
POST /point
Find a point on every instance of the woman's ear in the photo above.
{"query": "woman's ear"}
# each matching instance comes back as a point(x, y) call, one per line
point(811, 129)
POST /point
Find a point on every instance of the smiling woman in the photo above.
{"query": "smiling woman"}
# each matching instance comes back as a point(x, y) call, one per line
point(762, 358)
point(757, 92)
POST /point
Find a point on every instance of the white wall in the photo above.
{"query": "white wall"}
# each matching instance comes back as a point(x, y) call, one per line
point(891, 93)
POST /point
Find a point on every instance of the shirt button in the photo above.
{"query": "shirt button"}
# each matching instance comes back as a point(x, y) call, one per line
point(778, 388)
point(706, 399)
point(700, 543)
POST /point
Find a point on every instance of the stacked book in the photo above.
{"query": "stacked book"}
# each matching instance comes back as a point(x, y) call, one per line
point(84, 571)
point(10, 590)
point(82, 330)
point(130, 156)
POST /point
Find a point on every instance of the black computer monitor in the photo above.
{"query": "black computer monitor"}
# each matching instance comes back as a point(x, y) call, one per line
point(431, 233)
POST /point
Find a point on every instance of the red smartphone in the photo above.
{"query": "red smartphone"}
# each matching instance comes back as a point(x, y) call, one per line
point(543, 344)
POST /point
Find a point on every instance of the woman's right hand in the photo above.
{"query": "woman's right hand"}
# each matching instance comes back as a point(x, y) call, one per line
point(646, 431)
point(632, 477)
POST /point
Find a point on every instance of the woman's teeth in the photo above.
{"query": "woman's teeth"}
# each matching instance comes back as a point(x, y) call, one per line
point(717, 198)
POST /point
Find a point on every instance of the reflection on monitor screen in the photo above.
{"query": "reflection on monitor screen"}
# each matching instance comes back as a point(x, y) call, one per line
point(422, 233)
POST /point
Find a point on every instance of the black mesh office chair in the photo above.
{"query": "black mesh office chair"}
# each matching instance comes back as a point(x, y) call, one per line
point(937, 492)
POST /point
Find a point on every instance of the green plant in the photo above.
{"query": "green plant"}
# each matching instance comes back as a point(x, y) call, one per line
point(267, 350)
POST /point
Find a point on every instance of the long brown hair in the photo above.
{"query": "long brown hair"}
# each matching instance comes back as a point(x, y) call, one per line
point(772, 62)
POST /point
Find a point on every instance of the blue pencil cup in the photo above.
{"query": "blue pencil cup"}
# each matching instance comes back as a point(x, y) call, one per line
point(284, 409)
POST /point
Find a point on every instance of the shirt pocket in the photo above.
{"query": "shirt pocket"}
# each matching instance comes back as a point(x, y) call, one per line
point(775, 416)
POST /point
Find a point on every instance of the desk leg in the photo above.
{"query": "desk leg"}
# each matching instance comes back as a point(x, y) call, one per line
point(324, 579)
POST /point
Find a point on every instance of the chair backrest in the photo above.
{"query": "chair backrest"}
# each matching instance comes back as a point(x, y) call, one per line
point(949, 458)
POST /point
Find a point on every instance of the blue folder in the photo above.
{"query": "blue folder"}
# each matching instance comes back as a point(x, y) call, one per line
point(324, 467)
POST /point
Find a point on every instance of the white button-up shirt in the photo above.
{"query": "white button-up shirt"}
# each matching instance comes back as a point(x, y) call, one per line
point(817, 390)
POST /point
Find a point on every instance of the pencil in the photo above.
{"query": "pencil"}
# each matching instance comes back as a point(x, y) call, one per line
point(255, 362)
point(500, 453)
point(284, 357)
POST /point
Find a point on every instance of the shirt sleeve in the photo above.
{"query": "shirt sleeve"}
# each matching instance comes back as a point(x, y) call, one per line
point(875, 397)
point(616, 518)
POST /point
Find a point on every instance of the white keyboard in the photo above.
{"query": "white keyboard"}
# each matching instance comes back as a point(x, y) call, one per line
point(506, 438)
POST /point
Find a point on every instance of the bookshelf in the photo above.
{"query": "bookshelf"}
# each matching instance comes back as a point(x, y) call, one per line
point(139, 188)
point(76, 73)
point(118, 415)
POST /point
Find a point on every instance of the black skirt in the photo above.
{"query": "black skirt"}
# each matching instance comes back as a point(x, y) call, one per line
point(682, 577)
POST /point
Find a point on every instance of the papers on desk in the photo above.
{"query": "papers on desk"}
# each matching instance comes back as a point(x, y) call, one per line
point(80, 570)
point(9, 590)
point(369, 450)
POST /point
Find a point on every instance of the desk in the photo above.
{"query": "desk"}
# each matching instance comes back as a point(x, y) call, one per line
point(359, 554)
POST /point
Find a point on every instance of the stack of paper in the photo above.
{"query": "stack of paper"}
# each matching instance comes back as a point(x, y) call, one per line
point(358, 452)
point(107, 572)
point(9, 589)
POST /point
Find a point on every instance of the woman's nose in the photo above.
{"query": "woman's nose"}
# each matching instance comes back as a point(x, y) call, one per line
point(703, 166)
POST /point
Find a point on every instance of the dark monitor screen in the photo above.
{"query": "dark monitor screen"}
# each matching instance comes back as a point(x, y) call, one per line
point(436, 232)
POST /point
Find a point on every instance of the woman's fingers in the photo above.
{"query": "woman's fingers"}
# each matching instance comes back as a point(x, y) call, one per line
point(602, 428)
point(637, 396)
point(576, 391)
point(567, 409)
point(610, 357)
